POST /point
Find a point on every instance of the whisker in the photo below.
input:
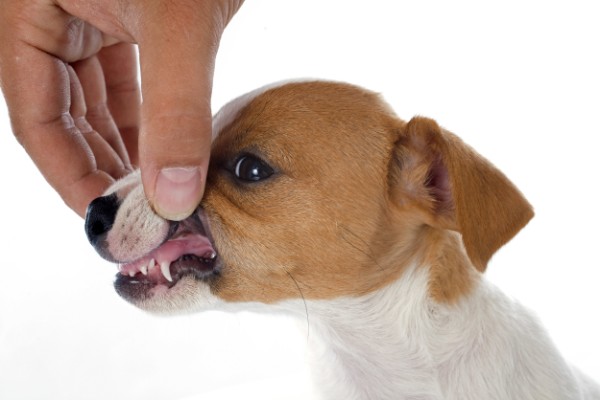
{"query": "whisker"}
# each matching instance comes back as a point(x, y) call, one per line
point(304, 301)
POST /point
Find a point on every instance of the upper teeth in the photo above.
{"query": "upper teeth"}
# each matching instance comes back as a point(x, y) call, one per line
point(145, 268)
point(164, 268)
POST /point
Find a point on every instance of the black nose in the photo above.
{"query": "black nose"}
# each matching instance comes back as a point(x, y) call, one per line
point(100, 217)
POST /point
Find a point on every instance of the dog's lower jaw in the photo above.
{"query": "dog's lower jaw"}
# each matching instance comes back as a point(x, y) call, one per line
point(189, 295)
point(399, 343)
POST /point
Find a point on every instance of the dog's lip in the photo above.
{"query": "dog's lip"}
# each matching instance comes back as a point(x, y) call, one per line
point(188, 239)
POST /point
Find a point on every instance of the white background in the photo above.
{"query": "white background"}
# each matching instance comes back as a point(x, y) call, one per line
point(518, 80)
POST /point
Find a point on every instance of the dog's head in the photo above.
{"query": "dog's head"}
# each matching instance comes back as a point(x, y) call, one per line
point(315, 190)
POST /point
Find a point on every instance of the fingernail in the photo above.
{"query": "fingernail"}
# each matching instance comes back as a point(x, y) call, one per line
point(178, 192)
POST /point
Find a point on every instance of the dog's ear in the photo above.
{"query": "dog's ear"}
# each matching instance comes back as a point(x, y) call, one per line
point(458, 189)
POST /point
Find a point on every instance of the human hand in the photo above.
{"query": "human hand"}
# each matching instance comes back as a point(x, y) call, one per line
point(68, 70)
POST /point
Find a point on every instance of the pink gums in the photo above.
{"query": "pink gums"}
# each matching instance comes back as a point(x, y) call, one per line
point(170, 251)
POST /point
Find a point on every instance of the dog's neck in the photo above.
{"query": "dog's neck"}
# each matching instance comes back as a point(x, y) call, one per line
point(381, 344)
point(373, 346)
point(399, 342)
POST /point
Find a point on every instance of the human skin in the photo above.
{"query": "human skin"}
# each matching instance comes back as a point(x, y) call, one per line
point(68, 71)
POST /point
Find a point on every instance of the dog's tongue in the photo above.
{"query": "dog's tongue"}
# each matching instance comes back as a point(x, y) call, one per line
point(156, 264)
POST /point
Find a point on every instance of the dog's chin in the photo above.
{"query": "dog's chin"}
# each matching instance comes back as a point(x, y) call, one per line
point(186, 296)
point(189, 278)
point(176, 274)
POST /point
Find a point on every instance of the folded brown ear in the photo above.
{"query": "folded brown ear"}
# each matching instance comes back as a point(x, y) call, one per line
point(466, 192)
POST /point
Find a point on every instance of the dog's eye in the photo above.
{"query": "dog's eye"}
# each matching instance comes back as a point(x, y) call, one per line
point(252, 169)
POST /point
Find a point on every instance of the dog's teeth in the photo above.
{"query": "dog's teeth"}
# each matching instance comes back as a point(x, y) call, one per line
point(164, 268)
point(211, 255)
point(151, 264)
point(144, 269)
point(131, 273)
point(120, 267)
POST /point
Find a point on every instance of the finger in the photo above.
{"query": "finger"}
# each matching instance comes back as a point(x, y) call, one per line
point(176, 117)
point(46, 26)
point(119, 64)
point(106, 157)
point(88, 84)
point(36, 87)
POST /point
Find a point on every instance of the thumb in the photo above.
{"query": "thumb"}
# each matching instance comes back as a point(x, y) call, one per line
point(177, 47)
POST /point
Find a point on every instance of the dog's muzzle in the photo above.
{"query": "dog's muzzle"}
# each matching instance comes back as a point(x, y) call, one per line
point(187, 250)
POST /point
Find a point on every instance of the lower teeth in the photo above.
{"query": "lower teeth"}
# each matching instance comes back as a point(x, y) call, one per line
point(193, 257)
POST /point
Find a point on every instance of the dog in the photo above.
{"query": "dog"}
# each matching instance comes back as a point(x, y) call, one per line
point(322, 203)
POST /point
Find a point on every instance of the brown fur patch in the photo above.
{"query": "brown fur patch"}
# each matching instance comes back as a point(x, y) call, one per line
point(310, 230)
point(349, 205)
point(451, 273)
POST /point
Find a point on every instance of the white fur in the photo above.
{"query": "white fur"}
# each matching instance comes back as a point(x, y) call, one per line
point(139, 227)
point(397, 343)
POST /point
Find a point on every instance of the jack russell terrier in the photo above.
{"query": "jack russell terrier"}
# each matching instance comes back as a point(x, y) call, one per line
point(321, 202)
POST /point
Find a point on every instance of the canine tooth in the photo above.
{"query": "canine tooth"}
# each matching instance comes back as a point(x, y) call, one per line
point(164, 268)
point(144, 269)
point(151, 264)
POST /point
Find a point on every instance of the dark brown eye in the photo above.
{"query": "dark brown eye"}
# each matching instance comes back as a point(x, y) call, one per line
point(252, 169)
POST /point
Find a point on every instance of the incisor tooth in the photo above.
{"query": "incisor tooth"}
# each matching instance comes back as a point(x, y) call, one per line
point(151, 264)
point(164, 268)
point(144, 269)
point(131, 273)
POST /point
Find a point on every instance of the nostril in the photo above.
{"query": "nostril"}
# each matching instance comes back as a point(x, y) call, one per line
point(100, 217)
